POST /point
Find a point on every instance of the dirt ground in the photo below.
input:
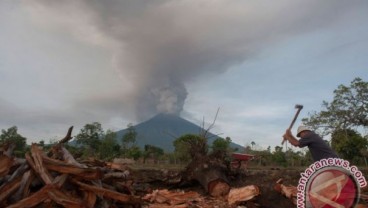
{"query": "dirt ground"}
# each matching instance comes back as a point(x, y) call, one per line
point(264, 178)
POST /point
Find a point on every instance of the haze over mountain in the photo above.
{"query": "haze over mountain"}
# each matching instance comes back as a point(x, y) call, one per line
point(162, 129)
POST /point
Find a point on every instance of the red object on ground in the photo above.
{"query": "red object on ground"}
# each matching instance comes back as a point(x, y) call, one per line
point(243, 157)
point(239, 159)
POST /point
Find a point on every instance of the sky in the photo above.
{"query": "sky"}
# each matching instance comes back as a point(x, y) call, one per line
point(73, 62)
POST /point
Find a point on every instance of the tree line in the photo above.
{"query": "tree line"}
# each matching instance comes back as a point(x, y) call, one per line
point(345, 119)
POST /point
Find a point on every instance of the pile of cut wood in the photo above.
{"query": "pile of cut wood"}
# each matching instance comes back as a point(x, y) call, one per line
point(54, 178)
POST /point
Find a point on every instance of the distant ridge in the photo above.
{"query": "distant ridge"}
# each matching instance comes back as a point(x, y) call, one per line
point(162, 129)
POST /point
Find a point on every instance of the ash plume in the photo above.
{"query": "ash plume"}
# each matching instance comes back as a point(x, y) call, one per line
point(160, 45)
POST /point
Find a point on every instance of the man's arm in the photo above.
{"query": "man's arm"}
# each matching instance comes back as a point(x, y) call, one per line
point(290, 137)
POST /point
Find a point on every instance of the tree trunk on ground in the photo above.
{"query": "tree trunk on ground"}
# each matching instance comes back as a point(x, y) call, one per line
point(210, 172)
point(213, 180)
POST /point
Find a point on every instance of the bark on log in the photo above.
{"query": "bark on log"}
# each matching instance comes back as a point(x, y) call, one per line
point(65, 200)
point(116, 166)
point(213, 180)
point(126, 199)
point(19, 171)
point(89, 198)
point(9, 188)
point(119, 175)
point(6, 163)
point(68, 136)
point(34, 199)
point(68, 158)
point(37, 164)
point(9, 149)
point(23, 190)
point(63, 167)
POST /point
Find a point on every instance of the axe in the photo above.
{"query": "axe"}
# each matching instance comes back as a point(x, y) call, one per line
point(299, 107)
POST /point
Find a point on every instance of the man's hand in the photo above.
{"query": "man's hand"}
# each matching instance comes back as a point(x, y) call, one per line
point(287, 135)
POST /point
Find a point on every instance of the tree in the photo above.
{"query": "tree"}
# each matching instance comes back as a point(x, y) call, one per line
point(221, 148)
point(279, 156)
point(221, 144)
point(90, 136)
point(109, 147)
point(253, 143)
point(11, 136)
point(349, 144)
point(348, 109)
point(129, 138)
point(189, 146)
point(134, 152)
point(151, 151)
point(41, 143)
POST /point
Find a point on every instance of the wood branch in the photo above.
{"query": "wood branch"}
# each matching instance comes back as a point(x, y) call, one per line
point(67, 137)
point(205, 131)
point(34, 199)
point(52, 152)
point(48, 203)
point(19, 161)
point(126, 199)
point(19, 171)
point(116, 166)
point(38, 164)
point(120, 175)
point(23, 190)
point(89, 198)
point(9, 149)
point(68, 157)
point(9, 188)
point(168, 206)
point(60, 180)
point(6, 163)
point(288, 191)
point(242, 194)
point(172, 198)
point(63, 167)
point(65, 200)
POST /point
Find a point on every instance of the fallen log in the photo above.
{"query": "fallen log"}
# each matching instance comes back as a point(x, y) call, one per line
point(288, 191)
point(35, 161)
point(64, 199)
point(9, 188)
point(242, 194)
point(23, 190)
point(6, 163)
point(213, 180)
point(63, 167)
point(33, 200)
point(89, 198)
point(123, 198)
point(165, 197)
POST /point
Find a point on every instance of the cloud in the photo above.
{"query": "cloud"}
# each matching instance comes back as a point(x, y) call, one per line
point(160, 45)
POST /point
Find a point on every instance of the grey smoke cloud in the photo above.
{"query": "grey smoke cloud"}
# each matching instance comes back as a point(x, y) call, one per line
point(160, 45)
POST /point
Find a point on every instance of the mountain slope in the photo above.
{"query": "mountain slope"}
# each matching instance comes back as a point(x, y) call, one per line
point(163, 129)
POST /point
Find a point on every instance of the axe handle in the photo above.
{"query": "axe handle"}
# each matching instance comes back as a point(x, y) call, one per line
point(292, 122)
point(295, 117)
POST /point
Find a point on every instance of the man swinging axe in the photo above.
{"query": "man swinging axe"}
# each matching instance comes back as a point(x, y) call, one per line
point(317, 146)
